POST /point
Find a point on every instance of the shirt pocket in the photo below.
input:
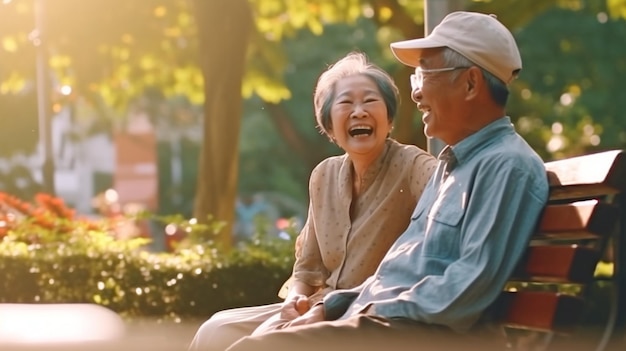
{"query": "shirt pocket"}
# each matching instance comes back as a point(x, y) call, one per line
point(443, 237)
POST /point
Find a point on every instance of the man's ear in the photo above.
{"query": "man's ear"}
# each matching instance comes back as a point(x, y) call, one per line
point(474, 81)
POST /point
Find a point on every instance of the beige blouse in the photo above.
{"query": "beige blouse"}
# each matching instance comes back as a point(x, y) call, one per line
point(339, 253)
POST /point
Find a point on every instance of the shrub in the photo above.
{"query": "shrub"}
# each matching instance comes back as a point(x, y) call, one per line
point(47, 255)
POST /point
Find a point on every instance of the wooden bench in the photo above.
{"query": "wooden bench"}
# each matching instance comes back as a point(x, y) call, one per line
point(582, 232)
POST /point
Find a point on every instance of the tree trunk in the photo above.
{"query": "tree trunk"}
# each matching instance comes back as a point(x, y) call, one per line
point(223, 32)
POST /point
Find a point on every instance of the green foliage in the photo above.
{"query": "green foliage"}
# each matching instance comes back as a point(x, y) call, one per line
point(132, 56)
point(188, 283)
point(617, 8)
point(567, 101)
point(271, 249)
point(196, 233)
point(263, 156)
point(570, 97)
point(50, 257)
point(277, 19)
point(264, 149)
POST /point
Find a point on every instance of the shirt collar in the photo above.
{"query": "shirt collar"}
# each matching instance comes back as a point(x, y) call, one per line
point(464, 149)
point(345, 172)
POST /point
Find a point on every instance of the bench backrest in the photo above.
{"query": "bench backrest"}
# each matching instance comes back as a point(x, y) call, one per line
point(580, 227)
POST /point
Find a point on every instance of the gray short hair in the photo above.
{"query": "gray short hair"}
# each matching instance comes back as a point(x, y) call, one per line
point(355, 63)
point(498, 90)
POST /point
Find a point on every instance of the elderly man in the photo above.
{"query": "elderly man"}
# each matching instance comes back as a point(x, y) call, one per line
point(471, 225)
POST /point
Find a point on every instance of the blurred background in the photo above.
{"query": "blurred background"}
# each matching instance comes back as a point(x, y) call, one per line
point(200, 113)
point(203, 108)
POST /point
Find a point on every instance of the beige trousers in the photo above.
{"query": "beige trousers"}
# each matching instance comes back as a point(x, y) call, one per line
point(367, 333)
point(226, 327)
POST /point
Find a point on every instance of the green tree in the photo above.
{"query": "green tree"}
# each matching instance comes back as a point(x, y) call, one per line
point(280, 140)
point(571, 94)
point(110, 54)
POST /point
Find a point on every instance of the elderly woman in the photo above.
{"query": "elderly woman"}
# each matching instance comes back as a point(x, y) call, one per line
point(360, 202)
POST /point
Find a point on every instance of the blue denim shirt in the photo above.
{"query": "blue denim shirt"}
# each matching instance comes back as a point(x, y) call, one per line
point(466, 235)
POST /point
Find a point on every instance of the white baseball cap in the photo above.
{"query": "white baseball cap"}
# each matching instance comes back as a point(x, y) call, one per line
point(481, 38)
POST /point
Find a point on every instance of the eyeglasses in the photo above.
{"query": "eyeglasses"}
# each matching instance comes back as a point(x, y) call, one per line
point(417, 79)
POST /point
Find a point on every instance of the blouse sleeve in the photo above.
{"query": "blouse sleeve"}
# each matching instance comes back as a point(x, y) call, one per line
point(309, 267)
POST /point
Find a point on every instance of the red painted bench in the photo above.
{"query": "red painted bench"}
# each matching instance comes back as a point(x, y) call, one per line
point(580, 244)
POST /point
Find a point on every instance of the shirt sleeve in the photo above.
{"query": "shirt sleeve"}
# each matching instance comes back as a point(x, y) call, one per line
point(337, 302)
point(309, 267)
point(502, 210)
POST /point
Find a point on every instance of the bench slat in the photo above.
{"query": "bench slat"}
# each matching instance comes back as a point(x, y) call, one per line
point(608, 168)
point(566, 246)
point(582, 191)
point(562, 264)
point(578, 220)
point(544, 311)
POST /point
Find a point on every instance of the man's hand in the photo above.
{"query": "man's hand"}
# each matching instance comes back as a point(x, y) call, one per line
point(315, 314)
point(294, 306)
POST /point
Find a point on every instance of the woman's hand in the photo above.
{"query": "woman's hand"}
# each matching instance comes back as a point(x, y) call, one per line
point(294, 306)
point(315, 314)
